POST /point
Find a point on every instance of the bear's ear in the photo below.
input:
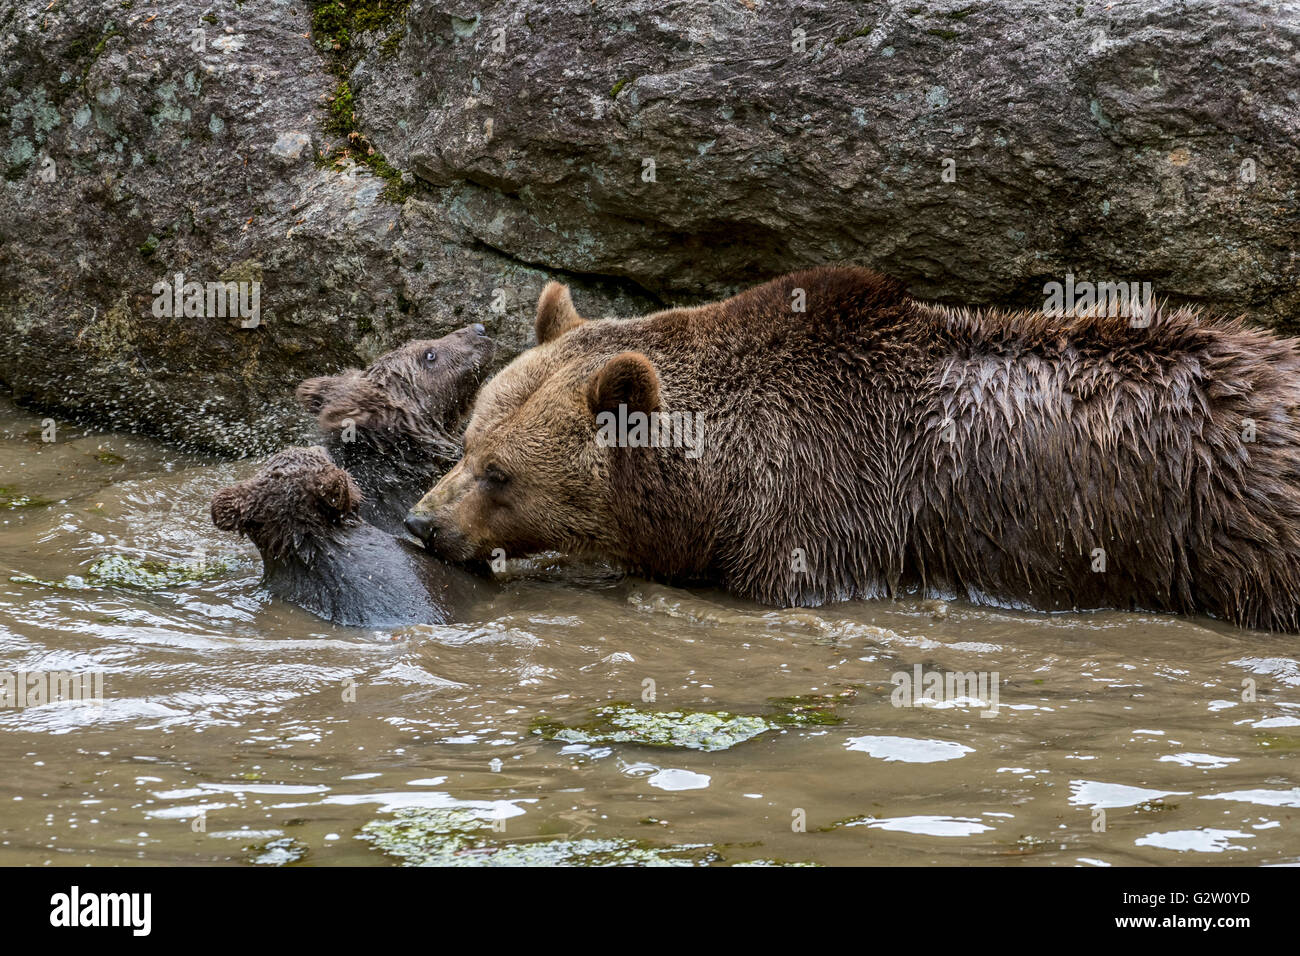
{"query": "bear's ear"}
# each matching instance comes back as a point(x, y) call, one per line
point(555, 313)
point(313, 393)
point(365, 405)
point(227, 514)
point(627, 379)
point(337, 493)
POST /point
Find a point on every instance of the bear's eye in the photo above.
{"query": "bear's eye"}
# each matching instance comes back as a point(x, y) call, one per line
point(430, 357)
point(494, 477)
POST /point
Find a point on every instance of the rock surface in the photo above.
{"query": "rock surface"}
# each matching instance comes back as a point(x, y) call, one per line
point(386, 170)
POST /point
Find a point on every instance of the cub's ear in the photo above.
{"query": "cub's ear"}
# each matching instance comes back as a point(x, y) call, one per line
point(627, 379)
point(362, 403)
point(313, 393)
point(227, 513)
point(336, 493)
point(555, 313)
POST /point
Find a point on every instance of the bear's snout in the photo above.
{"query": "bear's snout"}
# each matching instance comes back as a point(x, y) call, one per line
point(419, 525)
point(447, 543)
point(428, 520)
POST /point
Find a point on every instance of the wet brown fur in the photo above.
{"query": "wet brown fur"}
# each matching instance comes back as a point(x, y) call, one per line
point(301, 511)
point(825, 450)
point(405, 413)
point(290, 505)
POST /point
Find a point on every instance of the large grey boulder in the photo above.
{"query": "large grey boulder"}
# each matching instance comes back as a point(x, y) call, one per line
point(135, 148)
point(1155, 140)
point(644, 152)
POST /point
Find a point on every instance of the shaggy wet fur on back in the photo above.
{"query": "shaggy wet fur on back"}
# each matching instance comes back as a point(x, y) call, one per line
point(827, 474)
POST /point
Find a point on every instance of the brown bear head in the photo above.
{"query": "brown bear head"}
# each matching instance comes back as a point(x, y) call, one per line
point(419, 390)
point(533, 476)
point(298, 496)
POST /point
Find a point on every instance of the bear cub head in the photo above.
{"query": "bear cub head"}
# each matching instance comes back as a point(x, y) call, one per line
point(302, 512)
point(395, 425)
point(292, 506)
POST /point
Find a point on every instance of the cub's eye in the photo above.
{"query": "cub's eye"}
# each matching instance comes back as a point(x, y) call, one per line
point(430, 357)
point(494, 477)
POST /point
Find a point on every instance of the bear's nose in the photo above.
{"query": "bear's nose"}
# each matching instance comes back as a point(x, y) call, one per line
point(419, 525)
point(480, 328)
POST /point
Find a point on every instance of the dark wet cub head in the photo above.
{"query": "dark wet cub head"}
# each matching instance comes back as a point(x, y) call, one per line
point(297, 496)
point(419, 390)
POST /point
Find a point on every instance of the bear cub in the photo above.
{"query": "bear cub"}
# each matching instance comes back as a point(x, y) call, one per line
point(394, 426)
point(302, 512)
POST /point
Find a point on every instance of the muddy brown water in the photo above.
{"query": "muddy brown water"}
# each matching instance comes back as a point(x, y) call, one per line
point(236, 729)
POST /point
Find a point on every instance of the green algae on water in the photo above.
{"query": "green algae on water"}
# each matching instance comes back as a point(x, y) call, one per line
point(458, 836)
point(622, 723)
point(1155, 806)
point(808, 710)
point(278, 852)
point(461, 836)
point(782, 863)
point(120, 571)
point(12, 499)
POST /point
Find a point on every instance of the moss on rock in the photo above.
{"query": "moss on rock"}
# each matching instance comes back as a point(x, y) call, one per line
point(334, 23)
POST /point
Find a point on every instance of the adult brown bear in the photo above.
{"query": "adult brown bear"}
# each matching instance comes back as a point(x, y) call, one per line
point(872, 444)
